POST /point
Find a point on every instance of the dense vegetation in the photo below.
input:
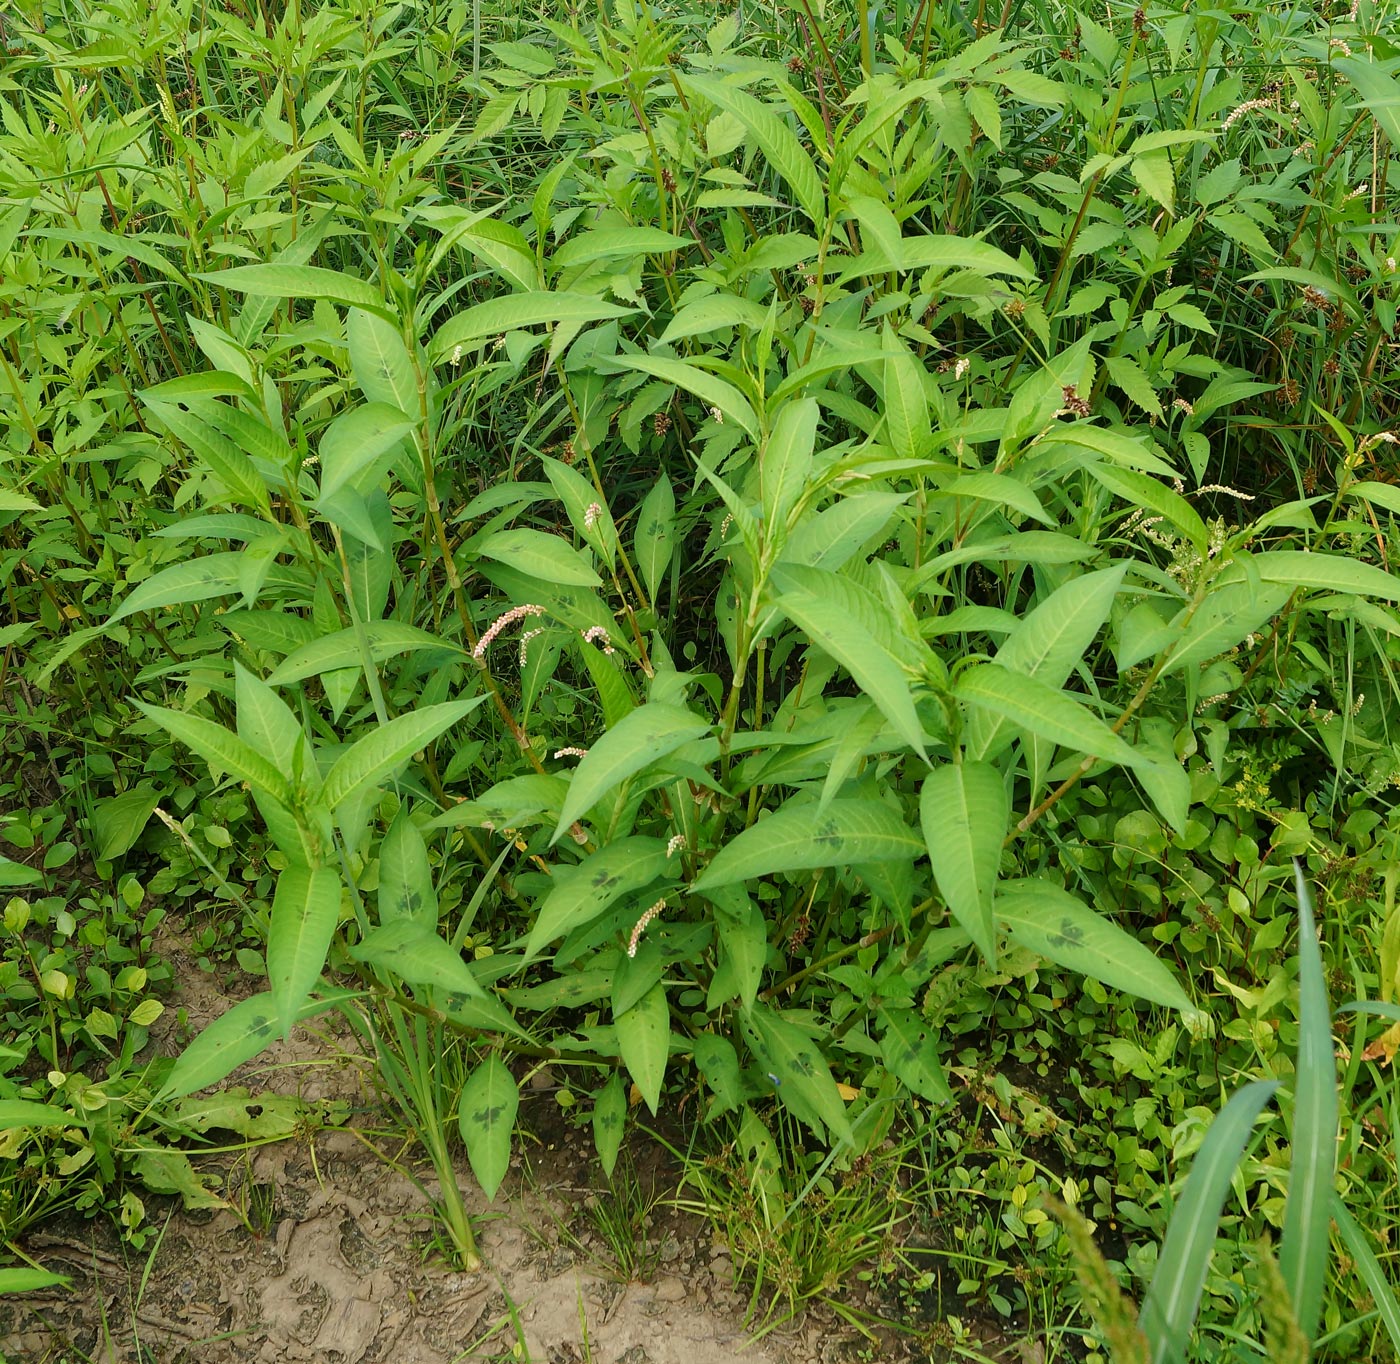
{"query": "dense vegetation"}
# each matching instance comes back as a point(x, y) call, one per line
point(812, 568)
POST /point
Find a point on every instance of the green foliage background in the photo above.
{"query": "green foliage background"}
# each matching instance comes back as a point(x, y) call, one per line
point(810, 567)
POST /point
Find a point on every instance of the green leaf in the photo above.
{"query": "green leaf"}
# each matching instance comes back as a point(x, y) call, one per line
point(609, 1122)
point(1154, 172)
point(355, 440)
point(836, 632)
point(1326, 573)
point(298, 281)
point(941, 253)
point(1129, 376)
point(1305, 1246)
point(305, 911)
point(581, 893)
point(547, 557)
point(610, 242)
point(1380, 1288)
point(236, 1036)
point(803, 1078)
point(785, 462)
point(1146, 493)
point(775, 139)
point(964, 810)
point(713, 313)
point(711, 391)
point(119, 821)
point(1169, 1310)
point(380, 361)
point(219, 454)
point(1046, 919)
point(639, 739)
point(1044, 711)
point(1378, 88)
point(406, 888)
point(413, 951)
point(910, 1053)
point(266, 724)
point(22, 1279)
point(719, 1064)
point(804, 836)
point(743, 934)
point(221, 748)
point(486, 1119)
point(26, 1113)
point(644, 1039)
point(1047, 643)
point(906, 401)
point(341, 649)
point(17, 874)
point(212, 575)
point(655, 536)
point(513, 312)
point(384, 748)
point(1230, 612)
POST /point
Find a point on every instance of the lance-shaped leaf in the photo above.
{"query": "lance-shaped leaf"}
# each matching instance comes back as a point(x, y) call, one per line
point(583, 892)
point(1169, 1310)
point(713, 392)
point(305, 911)
point(1377, 1283)
point(1047, 919)
point(636, 741)
point(910, 1053)
point(547, 557)
point(644, 1039)
point(876, 672)
point(341, 649)
point(1229, 613)
point(1303, 1251)
point(486, 1119)
point(299, 281)
point(1326, 573)
point(406, 889)
point(655, 534)
point(26, 1113)
point(964, 810)
point(609, 1123)
point(804, 836)
point(786, 460)
point(775, 139)
point(1045, 711)
point(803, 1079)
point(1143, 491)
point(236, 1036)
point(212, 575)
point(414, 952)
point(221, 748)
point(1046, 643)
point(373, 757)
point(513, 312)
point(26, 1280)
point(266, 724)
point(380, 361)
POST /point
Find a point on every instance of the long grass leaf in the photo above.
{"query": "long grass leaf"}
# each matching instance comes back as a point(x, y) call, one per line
point(1303, 1250)
point(1169, 1310)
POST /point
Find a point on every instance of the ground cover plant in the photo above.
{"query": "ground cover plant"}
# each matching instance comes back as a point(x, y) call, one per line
point(810, 569)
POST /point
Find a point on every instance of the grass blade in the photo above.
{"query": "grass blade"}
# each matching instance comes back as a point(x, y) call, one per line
point(1359, 1248)
point(1304, 1247)
point(1169, 1309)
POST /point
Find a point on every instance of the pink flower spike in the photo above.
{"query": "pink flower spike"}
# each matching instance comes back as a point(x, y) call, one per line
point(504, 622)
point(641, 927)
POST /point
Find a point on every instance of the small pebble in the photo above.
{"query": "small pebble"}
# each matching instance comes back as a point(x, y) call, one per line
point(670, 1289)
